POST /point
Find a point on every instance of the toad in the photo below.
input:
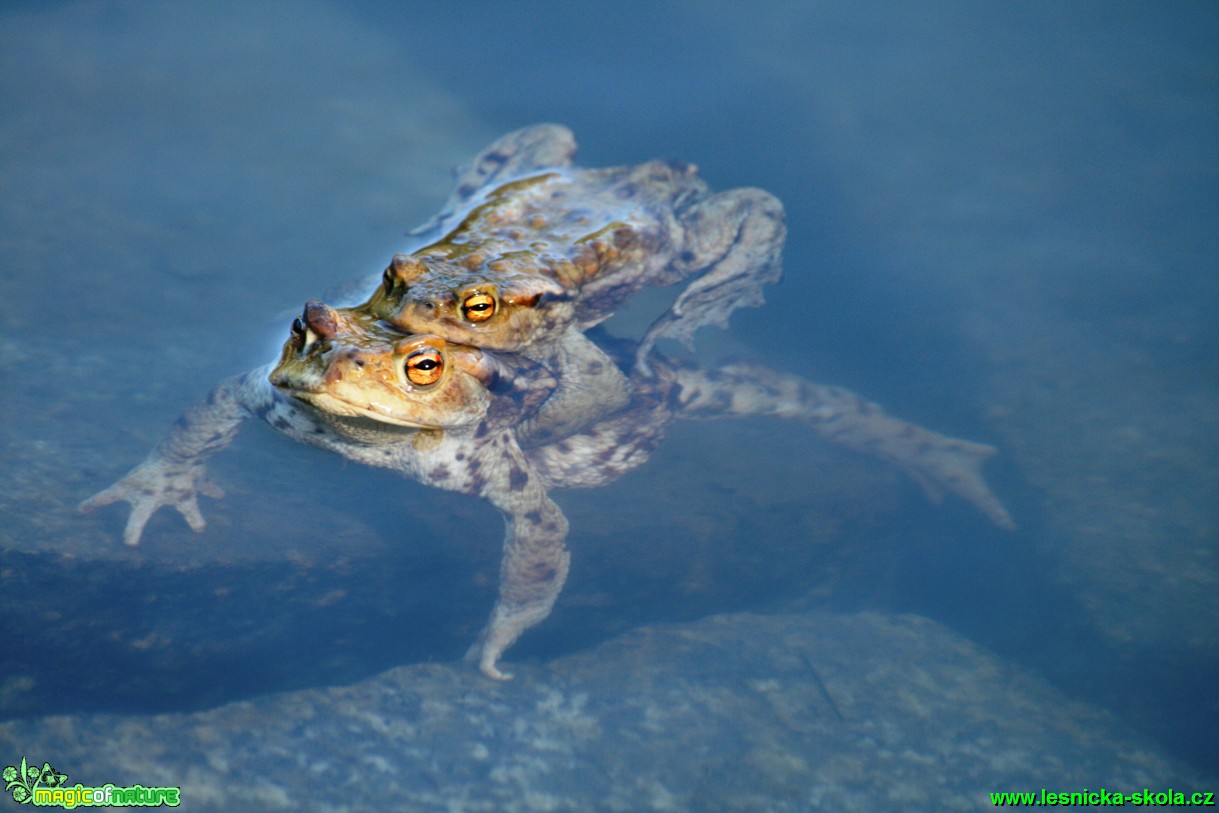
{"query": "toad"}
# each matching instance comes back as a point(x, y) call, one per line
point(531, 252)
point(445, 414)
point(442, 414)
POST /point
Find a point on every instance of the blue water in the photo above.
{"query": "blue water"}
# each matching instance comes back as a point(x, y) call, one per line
point(1002, 226)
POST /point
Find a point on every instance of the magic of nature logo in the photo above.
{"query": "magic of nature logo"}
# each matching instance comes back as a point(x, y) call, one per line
point(47, 787)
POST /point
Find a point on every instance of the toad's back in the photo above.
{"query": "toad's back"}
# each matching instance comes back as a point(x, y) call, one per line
point(588, 229)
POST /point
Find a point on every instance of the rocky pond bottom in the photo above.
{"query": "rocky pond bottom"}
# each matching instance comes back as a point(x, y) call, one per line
point(735, 712)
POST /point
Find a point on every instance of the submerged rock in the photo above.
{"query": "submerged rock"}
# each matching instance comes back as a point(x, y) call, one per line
point(733, 713)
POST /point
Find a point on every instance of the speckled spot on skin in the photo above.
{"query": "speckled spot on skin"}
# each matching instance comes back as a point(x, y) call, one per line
point(517, 478)
point(541, 572)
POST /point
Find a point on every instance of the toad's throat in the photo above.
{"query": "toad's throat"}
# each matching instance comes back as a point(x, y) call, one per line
point(336, 406)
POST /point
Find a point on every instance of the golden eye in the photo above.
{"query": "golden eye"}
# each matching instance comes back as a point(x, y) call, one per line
point(424, 367)
point(478, 307)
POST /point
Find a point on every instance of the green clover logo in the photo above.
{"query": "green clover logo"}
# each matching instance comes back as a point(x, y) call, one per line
point(22, 781)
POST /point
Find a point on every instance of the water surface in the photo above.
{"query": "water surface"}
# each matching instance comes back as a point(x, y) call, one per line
point(1002, 226)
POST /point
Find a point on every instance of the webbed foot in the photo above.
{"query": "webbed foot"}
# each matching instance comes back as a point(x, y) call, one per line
point(152, 485)
point(506, 626)
point(941, 464)
point(487, 660)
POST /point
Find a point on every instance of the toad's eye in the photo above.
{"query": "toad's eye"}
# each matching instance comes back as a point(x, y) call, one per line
point(478, 307)
point(387, 281)
point(424, 367)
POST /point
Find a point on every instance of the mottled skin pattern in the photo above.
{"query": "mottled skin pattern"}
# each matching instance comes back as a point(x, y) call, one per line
point(938, 463)
point(332, 388)
point(530, 252)
point(463, 418)
point(341, 384)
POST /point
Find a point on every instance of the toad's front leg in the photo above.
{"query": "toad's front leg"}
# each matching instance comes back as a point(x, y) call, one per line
point(539, 146)
point(591, 387)
point(733, 241)
point(535, 561)
point(531, 575)
point(174, 471)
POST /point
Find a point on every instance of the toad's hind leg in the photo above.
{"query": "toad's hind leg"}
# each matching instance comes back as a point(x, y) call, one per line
point(936, 462)
point(735, 240)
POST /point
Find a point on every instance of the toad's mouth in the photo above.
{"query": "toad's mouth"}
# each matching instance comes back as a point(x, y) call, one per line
point(343, 408)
